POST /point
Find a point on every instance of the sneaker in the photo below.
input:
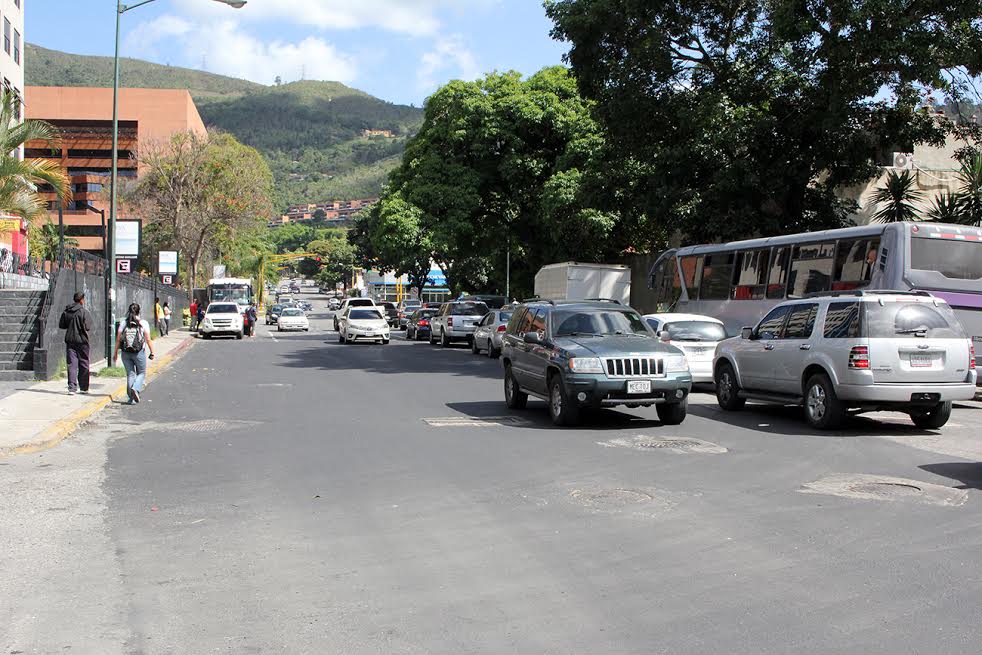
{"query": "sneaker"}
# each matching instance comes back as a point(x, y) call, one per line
point(136, 395)
point(85, 391)
point(72, 392)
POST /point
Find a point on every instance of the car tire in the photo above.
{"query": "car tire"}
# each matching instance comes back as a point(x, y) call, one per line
point(933, 418)
point(206, 335)
point(444, 339)
point(341, 337)
point(475, 349)
point(562, 409)
point(727, 389)
point(432, 340)
point(279, 329)
point(385, 342)
point(672, 413)
point(493, 353)
point(823, 410)
point(515, 398)
point(238, 335)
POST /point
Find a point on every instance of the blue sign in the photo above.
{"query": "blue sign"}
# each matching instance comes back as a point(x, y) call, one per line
point(436, 278)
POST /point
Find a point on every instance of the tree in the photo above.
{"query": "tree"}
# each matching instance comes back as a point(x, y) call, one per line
point(401, 241)
point(894, 198)
point(745, 117)
point(945, 209)
point(969, 193)
point(19, 179)
point(337, 256)
point(201, 189)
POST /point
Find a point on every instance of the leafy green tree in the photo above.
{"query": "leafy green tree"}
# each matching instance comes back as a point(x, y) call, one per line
point(945, 208)
point(745, 118)
point(969, 193)
point(337, 255)
point(400, 240)
point(894, 198)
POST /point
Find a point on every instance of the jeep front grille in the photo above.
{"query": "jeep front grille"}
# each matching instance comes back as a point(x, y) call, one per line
point(629, 367)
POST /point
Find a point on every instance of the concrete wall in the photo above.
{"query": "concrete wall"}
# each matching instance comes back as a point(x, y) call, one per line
point(18, 281)
point(50, 355)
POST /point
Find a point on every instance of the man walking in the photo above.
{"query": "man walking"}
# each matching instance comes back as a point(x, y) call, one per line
point(77, 323)
point(158, 316)
point(193, 313)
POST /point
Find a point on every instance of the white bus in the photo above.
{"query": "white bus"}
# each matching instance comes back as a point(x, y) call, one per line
point(230, 289)
point(739, 282)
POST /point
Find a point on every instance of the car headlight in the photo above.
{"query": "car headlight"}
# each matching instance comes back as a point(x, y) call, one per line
point(586, 365)
point(676, 364)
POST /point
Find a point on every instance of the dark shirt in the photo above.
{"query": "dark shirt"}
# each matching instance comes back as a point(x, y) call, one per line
point(76, 321)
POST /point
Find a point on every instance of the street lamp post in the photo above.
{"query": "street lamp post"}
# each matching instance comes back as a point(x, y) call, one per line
point(111, 249)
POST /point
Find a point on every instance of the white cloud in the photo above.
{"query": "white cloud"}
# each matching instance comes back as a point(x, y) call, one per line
point(449, 57)
point(223, 47)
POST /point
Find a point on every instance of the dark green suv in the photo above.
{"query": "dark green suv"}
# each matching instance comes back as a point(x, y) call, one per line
point(591, 354)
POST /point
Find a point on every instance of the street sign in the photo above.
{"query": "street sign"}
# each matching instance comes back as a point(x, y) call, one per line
point(124, 265)
point(128, 238)
point(167, 279)
point(218, 271)
point(167, 262)
point(10, 225)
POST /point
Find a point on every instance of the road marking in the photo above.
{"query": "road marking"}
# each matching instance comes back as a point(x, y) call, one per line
point(475, 421)
point(270, 335)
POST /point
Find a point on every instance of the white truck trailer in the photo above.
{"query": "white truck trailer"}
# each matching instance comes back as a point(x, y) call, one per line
point(578, 281)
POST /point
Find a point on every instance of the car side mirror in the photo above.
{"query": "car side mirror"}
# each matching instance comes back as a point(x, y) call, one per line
point(747, 333)
point(532, 338)
point(664, 336)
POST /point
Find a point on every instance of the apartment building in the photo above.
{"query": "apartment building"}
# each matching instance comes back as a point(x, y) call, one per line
point(84, 118)
point(12, 76)
point(334, 210)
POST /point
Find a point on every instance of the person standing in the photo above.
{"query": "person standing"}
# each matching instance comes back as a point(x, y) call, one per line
point(193, 313)
point(201, 314)
point(167, 315)
point(77, 323)
point(158, 316)
point(253, 319)
point(134, 340)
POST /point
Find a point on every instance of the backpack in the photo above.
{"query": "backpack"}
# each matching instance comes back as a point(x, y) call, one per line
point(133, 338)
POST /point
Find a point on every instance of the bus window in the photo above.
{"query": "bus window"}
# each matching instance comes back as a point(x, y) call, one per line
point(717, 273)
point(692, 274)
point(666, 283)
point(751, 275)
point(777, 281)
point(854, 263)
point(811, 269)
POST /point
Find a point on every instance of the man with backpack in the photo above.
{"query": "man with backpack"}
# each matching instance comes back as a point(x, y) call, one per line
point(77, 323)
point(133, 339)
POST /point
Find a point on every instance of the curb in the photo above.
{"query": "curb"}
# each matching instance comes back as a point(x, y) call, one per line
point(63, 428)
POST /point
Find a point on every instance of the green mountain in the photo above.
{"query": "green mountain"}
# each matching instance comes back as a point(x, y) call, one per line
point(312, 133)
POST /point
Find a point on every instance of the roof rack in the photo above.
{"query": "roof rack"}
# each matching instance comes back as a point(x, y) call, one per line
point(538, 299)
point(864, 292)
point(613, 300)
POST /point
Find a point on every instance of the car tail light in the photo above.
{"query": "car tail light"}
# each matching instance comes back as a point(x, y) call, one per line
point(450, 321)
point(971, 355)
point(502, 328)
point(424, 322)
point(859, 357)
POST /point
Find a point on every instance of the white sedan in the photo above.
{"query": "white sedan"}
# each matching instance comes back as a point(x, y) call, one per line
point(292, 318)
point(363, 324)
point(695, 335)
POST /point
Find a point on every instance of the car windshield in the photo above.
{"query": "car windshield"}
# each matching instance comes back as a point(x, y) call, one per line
point(364, 314)
point(912, 320)
point(693, 330)
point(426, 313)
point(276, 308)
point(361, 302)
point(292, 312)
point(469, 309)
point(598, 322)
point(223, 309)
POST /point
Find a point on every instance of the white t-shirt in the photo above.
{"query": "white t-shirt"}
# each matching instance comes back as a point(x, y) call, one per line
point(143, 324)
point(167, 313)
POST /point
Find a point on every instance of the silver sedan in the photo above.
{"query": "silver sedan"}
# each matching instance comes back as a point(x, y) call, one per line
point(487, 335)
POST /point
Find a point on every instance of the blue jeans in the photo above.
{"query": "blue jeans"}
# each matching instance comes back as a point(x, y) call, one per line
point(136, 369)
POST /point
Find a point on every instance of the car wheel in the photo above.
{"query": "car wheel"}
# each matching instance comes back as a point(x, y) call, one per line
point(444, 339)
point(279, 329)
point(493, 353)
point(474, 347)
point(727, 389)
point(238, 335)
point(385, 342)
point(562, 409)
point(933, 418)
point(672, 413)
point(515, 398)
point(340, 337)
point(822, 409)
point(432, 340)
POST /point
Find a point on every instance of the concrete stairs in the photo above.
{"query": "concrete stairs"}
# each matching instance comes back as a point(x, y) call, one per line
point(19, 325)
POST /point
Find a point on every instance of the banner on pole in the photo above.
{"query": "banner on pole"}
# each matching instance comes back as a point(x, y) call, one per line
point(167, 262)
point(127, 238)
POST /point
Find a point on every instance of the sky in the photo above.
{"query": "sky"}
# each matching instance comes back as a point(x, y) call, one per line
point(397, 50)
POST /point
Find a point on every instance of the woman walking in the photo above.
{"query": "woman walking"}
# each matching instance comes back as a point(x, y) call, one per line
point(167, 315)
point(133, 339)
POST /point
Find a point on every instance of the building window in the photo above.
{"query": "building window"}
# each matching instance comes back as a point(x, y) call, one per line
point(6, 35)
point(16, 47)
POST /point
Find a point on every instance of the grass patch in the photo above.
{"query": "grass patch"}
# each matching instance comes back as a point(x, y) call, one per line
point(112, 372)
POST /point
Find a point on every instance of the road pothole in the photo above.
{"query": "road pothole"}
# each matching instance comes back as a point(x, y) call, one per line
point(671, 444)
point(638, 502)
point(880, 487)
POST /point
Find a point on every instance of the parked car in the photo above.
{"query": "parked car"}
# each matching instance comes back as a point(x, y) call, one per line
point(695, 335)
point(864, 350)
point(363, 323)
point(350, 302)
point(334, 304)
point(492, 301)
point(222, 318)
point(273, 313)
point(455, 321)
point(391, 313)
point(586, 354)
point(418, 326)
point(487, 335)
point(406, 308)
point(293, 318)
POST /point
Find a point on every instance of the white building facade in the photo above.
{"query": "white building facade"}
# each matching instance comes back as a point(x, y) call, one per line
point(12, 45)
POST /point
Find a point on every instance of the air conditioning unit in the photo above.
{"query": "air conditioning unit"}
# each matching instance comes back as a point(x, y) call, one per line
point(903, 161)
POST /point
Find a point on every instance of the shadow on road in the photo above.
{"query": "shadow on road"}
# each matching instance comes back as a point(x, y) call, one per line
point(968, 473)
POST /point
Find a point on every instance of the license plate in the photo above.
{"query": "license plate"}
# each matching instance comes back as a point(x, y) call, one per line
point(639, 386)
point(921, 361)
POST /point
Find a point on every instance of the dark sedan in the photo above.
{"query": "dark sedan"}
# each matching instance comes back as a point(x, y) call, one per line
point(418, 326)
point(273, 314)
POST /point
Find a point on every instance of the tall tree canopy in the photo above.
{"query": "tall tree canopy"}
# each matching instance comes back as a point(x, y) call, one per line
point(746, 115)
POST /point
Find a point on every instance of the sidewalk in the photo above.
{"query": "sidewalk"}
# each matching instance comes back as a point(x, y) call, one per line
point(39, 415)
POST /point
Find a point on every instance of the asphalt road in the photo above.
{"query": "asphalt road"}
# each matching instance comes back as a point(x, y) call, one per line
point(286, 494)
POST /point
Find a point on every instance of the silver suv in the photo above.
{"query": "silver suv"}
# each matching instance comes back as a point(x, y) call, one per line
point(866, 350)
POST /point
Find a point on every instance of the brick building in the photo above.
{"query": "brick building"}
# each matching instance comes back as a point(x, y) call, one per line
point(339, 211)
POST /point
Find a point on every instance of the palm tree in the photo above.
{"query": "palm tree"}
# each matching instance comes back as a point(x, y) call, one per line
point(946, 208)
point(895, 197)
point(19, 179)
point(970, 191)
